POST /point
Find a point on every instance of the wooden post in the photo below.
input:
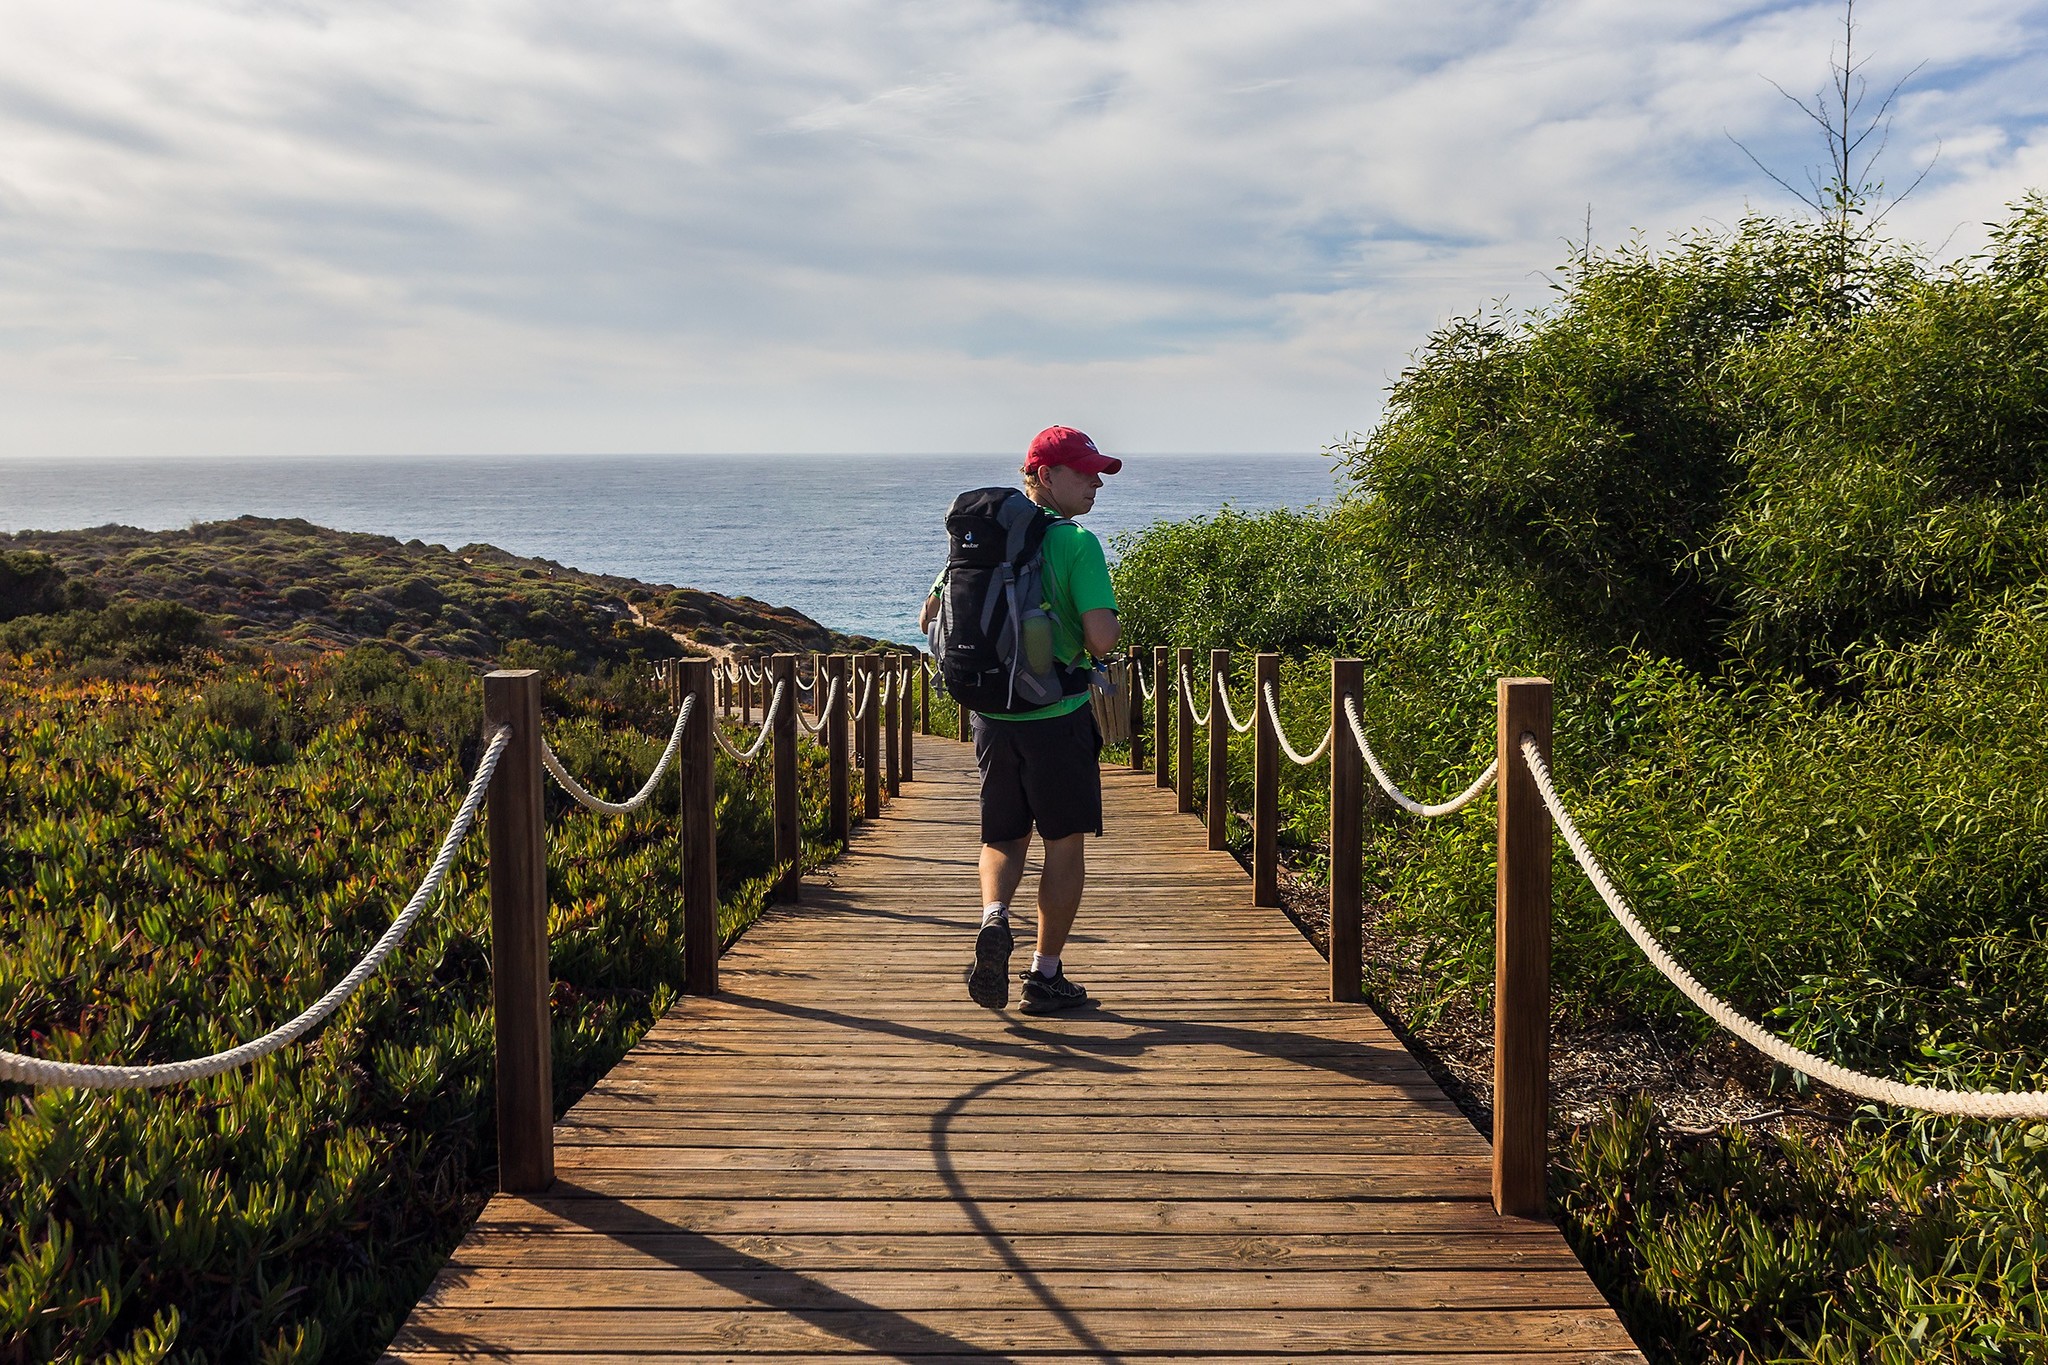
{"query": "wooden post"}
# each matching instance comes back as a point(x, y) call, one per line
point(519, 937)
point(924, 694)
point(892, 719)
point(839, 750)
point(698, 765)
point(1134, 680)
point(1265, 786)
point(1219, 752)
point(789, 830)
point(1347, 833)
point(905, 730)
point(1184, 741)
point(746, 694)
point(1162, 720)
point(1521, 985)
point(871, 740)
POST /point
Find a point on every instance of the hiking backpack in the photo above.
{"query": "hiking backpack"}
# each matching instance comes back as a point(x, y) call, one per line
point(992, 637)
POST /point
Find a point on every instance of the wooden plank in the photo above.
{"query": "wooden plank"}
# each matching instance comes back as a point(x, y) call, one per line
point(899, 1290)
point(648, 1351)
point(1515, 1246)
point(573, 1209)
point(858, 1330)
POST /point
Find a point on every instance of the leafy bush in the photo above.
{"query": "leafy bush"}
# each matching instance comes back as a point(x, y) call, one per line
point(1776, 531)
point(138, 632)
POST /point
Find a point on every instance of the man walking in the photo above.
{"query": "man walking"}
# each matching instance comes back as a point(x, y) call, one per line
point(1040, 767)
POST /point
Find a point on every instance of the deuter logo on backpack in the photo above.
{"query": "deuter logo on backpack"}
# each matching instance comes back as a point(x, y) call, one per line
point(992, 637)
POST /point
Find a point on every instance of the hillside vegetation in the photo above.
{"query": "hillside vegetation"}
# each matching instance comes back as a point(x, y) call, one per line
point(1777, 527)
point(290, 587)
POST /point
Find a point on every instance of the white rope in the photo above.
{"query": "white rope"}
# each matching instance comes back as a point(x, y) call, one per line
point(1219, 692)
point(638, 799)
point(867, 696)
point(1401, 798)
point(37, 1071)
point(752, 674)
point(1970, 1103)
point(1273, 711)
point(753, 751)
point(1147, 688)
point(1187, 689)
point(825, 715)
point(801, 681)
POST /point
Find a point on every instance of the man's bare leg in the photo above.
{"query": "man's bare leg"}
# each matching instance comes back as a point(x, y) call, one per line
point(1002, 869)
point(1059, 891)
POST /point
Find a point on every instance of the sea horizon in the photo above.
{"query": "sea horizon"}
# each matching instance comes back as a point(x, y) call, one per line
point(798, 531)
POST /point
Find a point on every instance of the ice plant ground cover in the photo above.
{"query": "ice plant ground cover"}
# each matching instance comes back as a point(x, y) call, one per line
point(192, 851)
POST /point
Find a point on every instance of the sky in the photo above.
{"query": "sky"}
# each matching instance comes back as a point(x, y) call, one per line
point(290, 227)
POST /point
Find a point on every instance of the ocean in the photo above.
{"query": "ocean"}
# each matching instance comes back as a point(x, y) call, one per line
point(852, 541)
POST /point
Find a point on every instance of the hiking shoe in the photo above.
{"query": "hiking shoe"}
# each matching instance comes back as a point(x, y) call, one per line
point(988, 980)
point(1051, 994)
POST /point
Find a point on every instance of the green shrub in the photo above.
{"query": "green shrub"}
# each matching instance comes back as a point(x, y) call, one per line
point(1776, 531)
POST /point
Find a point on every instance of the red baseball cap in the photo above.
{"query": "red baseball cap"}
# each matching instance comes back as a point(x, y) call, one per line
point(1064, 445)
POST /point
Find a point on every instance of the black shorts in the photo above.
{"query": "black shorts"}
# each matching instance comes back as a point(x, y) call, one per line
point(1046, 772)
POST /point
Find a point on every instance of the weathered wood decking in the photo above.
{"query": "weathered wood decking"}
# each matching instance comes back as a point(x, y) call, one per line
point(840, 1155)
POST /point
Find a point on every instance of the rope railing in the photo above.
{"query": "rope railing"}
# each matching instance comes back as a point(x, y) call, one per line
point(818, 726)
point(1280, 733)
point(1145, 689)
point(1219, 695)
point(509, 777)
point(1401, 798)
point(867, 697)
point(1930, 1099)
point(1187, 690)
point(585, 798)
point(1529, 809)
point(753, 751)
point(803, 683)
point(38, 1071)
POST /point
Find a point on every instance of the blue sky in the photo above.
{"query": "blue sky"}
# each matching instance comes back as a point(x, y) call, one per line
point(523, 226)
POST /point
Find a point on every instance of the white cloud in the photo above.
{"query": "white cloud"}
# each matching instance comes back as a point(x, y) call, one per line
point(849, 224)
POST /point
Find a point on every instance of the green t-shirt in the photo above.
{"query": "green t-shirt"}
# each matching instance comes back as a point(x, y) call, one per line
point(1076, 580)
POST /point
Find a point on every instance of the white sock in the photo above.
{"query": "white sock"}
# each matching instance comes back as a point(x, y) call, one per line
point(993, 911)
point(1047, 967)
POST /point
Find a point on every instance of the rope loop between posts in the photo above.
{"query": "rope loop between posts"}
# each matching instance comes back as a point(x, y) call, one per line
point(37, 1071)
point(867, 695)
point(585, 798)
point(753, 751)
point(1280, 733)
point(1148, 690)
point(753, 675)
point(1187, 690)
point(805, 684)
point(1988, 1104)
point(1219, 695)
point(1401, 798)
point(824, 712)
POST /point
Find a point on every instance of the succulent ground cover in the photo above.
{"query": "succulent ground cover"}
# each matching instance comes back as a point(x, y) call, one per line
point(196, 839)
point(1774, 518)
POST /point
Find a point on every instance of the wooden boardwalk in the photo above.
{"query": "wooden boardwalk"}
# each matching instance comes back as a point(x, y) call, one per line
point(841, 1156)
